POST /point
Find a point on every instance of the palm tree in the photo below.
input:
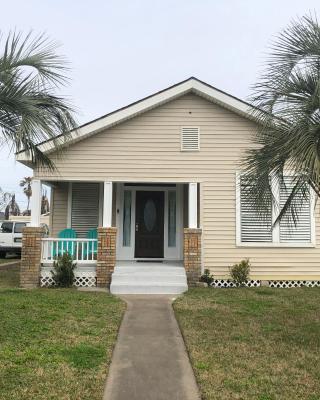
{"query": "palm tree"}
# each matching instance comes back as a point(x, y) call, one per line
point(45, 206)
point(30, 110)
point(287, 101)
point(12, 207)
point(4, 198)
point(25, 183)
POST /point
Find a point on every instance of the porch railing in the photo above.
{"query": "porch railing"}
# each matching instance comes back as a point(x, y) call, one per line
point(82, 250)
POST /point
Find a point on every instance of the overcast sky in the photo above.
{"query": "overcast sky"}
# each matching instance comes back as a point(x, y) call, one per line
point(121, 51)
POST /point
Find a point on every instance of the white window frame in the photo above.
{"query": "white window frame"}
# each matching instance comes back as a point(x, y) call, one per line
point(276, 229)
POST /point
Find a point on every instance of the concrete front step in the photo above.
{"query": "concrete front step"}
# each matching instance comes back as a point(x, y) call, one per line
point(149, 278)
point(152, 270)
point(149, 288)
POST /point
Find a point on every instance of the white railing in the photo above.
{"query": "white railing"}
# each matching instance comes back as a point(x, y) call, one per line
point(82, 250)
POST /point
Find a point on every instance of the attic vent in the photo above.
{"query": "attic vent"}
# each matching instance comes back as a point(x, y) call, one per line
point(190, 138)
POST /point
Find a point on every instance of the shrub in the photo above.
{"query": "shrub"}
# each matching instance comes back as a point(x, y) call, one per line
point(63, 274)
point(240, 272)
point(207, 277)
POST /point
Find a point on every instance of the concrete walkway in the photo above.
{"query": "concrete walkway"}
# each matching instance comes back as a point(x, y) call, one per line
point(149, 360)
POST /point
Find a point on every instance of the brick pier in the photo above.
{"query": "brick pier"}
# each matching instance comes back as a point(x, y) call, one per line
point(106, 257)
point(192, 254)
point(31, 256)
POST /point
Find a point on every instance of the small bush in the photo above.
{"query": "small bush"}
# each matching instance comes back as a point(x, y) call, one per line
point(207, 277)
point(63, 274)
point(240, 272)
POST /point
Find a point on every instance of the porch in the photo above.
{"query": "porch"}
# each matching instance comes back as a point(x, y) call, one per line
point(138, 222)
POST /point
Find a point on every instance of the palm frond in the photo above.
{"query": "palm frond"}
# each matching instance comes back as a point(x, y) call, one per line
point(30, 110)
point(287, 101)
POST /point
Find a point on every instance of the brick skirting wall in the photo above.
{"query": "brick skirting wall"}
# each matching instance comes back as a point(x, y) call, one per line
point(192, 254)
point(31, 256)
point(106, 257)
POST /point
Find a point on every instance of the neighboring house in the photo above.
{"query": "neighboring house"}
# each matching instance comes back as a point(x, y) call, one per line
point(161, 180)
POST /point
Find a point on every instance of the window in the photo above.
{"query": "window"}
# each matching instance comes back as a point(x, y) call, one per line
point(18, 226)
point(126, 242)
point(172, 213)
point(252, 230)
point(84, 208)
point(301, 232)
point(190, 138)
point(6, 227)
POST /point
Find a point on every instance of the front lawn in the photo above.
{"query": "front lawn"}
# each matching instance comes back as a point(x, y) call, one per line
point(56, 344)
point(261, 344)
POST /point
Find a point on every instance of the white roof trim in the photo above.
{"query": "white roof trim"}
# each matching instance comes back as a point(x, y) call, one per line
point(190, 85)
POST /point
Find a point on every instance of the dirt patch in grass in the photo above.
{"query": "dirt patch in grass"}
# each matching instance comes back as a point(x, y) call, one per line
point(9, 259)
point(56, 344)
point(9, 275)
point(261, 344)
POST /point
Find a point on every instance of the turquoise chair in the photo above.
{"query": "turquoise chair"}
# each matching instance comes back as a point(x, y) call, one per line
point(65, 245)
point(92, 247)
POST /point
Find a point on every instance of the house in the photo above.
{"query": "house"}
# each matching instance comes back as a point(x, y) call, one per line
point(160, 178)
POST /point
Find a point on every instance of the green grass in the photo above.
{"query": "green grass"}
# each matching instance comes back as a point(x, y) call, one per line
point(261, 344)
point(55, 343)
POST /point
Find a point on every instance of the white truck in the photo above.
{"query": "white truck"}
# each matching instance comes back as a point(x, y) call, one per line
point(11, 237)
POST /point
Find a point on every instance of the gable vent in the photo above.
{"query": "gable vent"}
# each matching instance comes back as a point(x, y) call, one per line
point(190, 138)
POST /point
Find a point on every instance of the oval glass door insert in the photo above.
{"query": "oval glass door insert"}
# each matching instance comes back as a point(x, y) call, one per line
point(150, 215)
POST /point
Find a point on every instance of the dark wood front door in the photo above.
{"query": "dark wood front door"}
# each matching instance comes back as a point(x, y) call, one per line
point(149, 224)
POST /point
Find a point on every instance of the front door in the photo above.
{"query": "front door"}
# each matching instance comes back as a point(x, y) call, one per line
point(149, 224)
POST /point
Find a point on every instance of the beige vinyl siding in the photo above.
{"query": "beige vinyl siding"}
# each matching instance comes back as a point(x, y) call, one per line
point(147, 149)
point(59, 208)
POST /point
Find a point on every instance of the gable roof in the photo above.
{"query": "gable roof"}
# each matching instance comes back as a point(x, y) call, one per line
point(191, 84)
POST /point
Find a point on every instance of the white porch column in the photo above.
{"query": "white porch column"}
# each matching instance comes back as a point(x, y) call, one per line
point(193, 206)
point(107, 205)
point(35, 203)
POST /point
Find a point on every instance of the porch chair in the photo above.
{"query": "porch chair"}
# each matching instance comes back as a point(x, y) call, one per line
point(66, 246)
point(92, 247)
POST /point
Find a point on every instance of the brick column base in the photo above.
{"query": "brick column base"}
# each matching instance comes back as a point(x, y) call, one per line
point(106, 257)
point(31, 256)
point(192, 254)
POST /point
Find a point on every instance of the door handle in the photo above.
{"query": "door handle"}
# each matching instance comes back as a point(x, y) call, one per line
point(137, 227)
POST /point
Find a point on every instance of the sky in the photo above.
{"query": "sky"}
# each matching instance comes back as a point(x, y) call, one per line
point(121, 51)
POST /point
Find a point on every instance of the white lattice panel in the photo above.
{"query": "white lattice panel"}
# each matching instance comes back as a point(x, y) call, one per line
point(83, 277)
point(85, 280)
point(293, 284)
point(46, 281)
point(228, 283)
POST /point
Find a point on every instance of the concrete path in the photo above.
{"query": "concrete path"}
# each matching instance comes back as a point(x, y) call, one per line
point(150, 360)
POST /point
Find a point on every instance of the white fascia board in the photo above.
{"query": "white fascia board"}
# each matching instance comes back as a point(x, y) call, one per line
point(230, 102)
point(117, 117)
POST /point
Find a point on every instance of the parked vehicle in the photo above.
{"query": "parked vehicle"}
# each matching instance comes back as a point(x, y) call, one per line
point(11, 236)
